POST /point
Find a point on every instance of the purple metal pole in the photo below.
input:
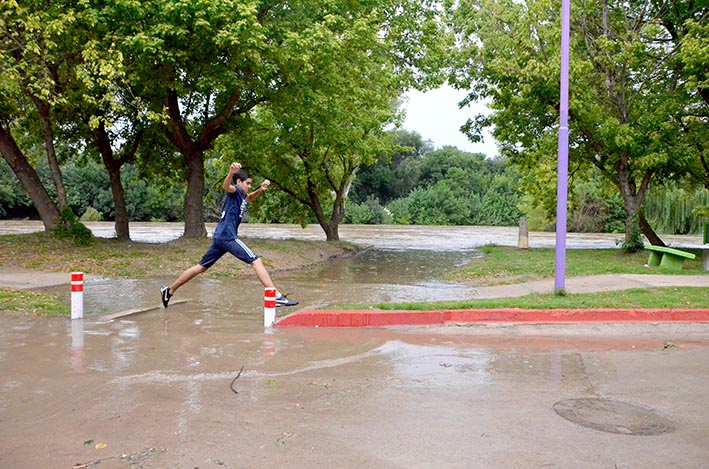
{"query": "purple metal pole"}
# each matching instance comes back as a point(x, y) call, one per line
point(562, 187)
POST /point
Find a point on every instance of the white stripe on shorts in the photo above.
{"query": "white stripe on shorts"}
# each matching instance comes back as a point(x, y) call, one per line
point(245, 248)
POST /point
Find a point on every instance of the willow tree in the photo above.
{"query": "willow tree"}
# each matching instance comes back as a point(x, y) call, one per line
point(627, 95)
point(345, 73)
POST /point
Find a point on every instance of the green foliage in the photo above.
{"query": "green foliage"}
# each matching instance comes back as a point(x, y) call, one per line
point(14, 202)
point(596, 209)
point(369, 212)
point(440, 204)
point(674, 210)
point(459, 188)
point(69, 226)
point(392, 176)
point(346, 67)
point(91, 214)
point(633, 240)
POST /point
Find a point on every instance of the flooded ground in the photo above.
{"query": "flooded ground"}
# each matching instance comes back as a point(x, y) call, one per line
point(430, 238)
point(202, 384)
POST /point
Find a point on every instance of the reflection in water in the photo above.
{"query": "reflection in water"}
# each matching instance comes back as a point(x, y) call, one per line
point(77, 345)
point(437, 366)
point(388, 276)
point(110, 295)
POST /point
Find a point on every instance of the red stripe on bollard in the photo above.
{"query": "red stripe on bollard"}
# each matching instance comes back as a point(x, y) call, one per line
point(269, 306)
point(77, 295)
point(77, 281)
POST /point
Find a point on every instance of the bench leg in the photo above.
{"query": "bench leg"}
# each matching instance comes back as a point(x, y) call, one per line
point(705, 257)
point(671, 262)
point(655, 258)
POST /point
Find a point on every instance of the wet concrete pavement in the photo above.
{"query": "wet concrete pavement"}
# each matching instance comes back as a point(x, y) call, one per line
point(158, 389)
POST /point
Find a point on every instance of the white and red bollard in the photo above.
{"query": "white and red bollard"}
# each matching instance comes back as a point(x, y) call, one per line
point(269, 307)
point(77, 295)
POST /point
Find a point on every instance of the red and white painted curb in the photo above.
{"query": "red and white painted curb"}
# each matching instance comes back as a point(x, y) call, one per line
point(381, 318)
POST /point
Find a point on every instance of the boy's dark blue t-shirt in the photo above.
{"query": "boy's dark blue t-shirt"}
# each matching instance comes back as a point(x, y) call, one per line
point(232, 213)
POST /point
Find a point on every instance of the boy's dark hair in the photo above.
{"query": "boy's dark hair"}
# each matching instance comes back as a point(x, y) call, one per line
point(240, 175)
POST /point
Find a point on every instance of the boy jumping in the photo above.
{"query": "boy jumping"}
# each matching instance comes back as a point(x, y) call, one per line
point(226, 239)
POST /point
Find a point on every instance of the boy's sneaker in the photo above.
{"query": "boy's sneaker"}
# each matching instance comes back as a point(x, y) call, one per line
point(281, 300)
point(165, 295)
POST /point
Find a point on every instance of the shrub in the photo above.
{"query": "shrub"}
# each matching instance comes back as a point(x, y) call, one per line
point(70, 227)
point(91, 214)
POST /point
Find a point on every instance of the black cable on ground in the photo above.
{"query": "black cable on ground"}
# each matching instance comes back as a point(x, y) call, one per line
point(234, 380)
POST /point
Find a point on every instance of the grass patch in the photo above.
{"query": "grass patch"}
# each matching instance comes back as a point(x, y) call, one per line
point(501, 265)
point(640, 298)
point(33, 303)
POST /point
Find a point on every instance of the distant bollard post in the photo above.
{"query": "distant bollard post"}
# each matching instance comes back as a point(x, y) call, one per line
point(269, 307)
point(523, 240)
point(705, 252)
point(77, 295)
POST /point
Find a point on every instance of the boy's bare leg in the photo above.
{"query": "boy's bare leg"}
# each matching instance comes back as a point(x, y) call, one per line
point(186, 276)
point(262, 274)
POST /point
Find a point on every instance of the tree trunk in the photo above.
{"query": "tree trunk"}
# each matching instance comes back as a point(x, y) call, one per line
point(331, 231)
point(113, 166)
point(194, 216)
point(27, 176)
point(633, 196)
point(329, 225)
point(43, 109)
point(648, 231)
point(119, 201)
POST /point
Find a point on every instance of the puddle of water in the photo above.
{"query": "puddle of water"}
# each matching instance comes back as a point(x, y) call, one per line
point(386, 276)
point(432, 366)
point(374, 276)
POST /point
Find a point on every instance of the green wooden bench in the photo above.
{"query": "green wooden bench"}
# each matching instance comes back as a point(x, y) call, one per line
point(667, 257)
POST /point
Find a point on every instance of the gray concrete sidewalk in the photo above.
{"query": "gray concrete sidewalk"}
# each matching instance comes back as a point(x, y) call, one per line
point(595, 283)
point(24, 279)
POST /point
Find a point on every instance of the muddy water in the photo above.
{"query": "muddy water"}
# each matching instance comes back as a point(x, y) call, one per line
point(373, 276)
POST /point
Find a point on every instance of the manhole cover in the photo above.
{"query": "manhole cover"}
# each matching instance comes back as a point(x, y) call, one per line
point(611, 416)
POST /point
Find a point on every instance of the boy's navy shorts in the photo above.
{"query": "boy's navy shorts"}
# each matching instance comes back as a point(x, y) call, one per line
point(219, 247)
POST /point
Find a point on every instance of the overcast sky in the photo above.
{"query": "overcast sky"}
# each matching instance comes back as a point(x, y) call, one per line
point(436, 116)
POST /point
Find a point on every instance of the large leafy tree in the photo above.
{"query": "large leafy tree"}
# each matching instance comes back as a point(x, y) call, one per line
point(61, 85)
point(344, 73)
point(201, 66)
point(105, 118)
point(627, 96)
point(32, 81)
